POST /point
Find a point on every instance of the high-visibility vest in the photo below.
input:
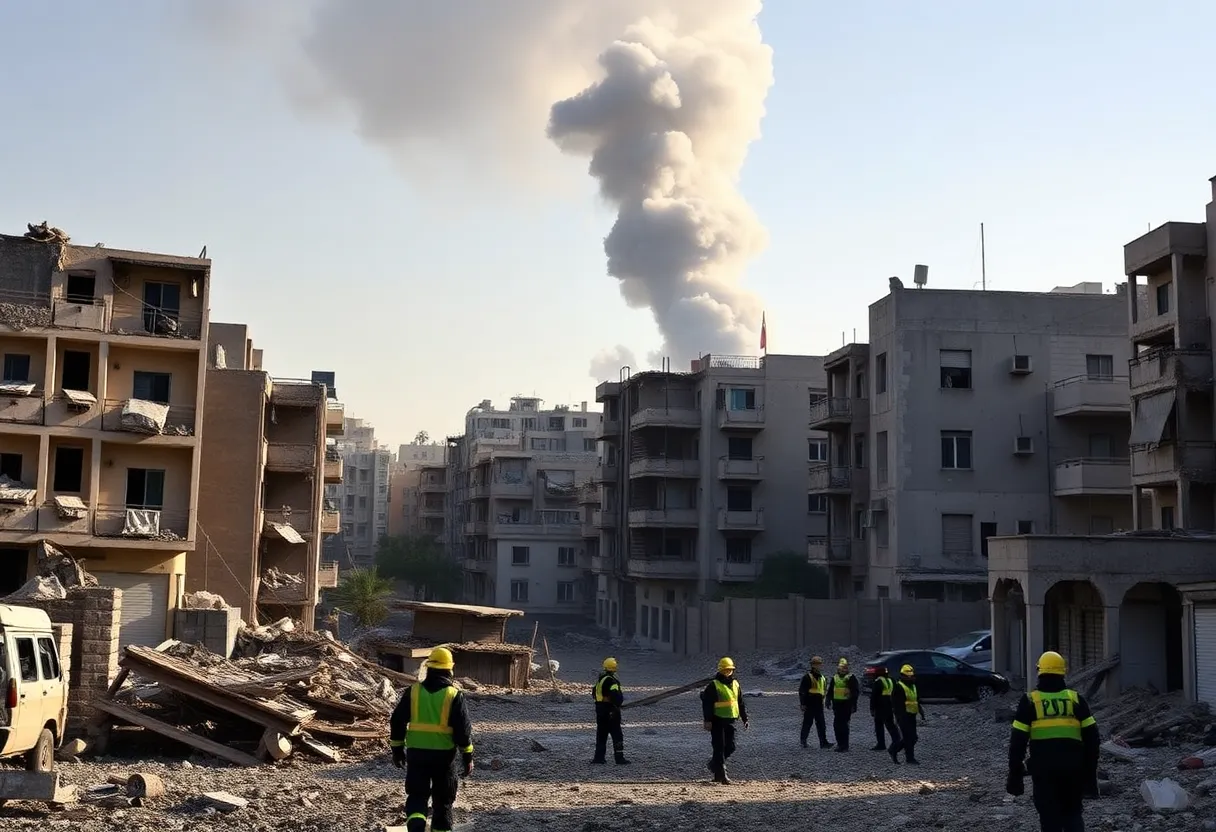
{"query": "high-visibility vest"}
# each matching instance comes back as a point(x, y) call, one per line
point(1055, 716)
point(840, 688)
point(911, 700)
point(727, 705)
point(816, 688)
point(430, 715)
point(606, 683)
point(886, 686)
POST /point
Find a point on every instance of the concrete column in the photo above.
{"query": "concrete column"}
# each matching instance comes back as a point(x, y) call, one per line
point(1034, 641)
point(1132, 311)
point(1110, 642)
point(1137, 496)
point(1182, 513)
point(1188, 650)
point(48, 370)
point(43, 475)
point(1000, 637)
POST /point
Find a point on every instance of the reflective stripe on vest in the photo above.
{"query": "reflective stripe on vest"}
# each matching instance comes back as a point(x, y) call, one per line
point(840, 687)
point(911, 705)
point(601, 694)
point(886, 686)
point(1055, 716)
point(727, 706)
point(430, 713)
point(816, 688)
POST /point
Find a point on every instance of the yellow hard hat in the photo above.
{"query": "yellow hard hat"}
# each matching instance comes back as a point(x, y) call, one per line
point(440, 659)
point(725, 663)
point(843, 663)
point(1052, 663)
point(815, 660)
point(907, 670)
point(610, 665)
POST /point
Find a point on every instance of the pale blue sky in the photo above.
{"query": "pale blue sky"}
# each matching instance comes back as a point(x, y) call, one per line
point(893, 129)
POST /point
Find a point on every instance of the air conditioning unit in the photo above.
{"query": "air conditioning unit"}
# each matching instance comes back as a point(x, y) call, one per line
point(1023, 446)
point(1020, 365)
point(868, 519)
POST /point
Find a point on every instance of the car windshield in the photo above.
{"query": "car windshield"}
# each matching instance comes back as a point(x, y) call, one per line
point(966, 639)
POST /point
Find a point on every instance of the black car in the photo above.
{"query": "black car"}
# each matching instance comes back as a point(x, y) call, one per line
point(938, 676)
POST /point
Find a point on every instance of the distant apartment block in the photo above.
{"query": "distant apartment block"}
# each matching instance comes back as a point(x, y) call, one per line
point(363, 496)
point(1173, 437)
point(513, 483)
point(704, 474)
point(103, 369)
point(262, 514)
point(989, 414)
point(418, 492)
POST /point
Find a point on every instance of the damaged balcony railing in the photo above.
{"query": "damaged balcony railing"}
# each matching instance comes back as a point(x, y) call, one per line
point(21, 403)
point(157, 321)
point(140, 523)
point(63, 515)
point(148, 418)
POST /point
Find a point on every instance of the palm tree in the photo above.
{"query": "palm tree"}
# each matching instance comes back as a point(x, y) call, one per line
point(363, 593)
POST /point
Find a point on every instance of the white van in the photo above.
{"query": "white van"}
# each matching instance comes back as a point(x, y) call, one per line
point(34, 701)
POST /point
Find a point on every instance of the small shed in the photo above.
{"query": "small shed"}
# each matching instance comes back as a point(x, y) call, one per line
point(502, 665)
point(442, 623)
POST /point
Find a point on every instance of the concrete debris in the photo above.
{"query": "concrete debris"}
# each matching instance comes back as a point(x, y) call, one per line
point(39, 588)
point(274, 578)
point(203, 600)
point(54, 561)
point(1164, 795)
point(1139, 718)
point(44, 233)
point(225, 802)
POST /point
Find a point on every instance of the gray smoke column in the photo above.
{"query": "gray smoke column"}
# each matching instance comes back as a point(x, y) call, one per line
point(667, 129)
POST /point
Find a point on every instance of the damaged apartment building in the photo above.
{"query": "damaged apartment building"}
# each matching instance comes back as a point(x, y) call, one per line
point(262, 514)
point(1147, 595)
point(702, 477)
point(104, 359)
point(362, 496)
point(417, 501)
point(513, 484)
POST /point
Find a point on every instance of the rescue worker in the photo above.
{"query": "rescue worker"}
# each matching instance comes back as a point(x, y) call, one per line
point(905, 702)
point(1059, 728)
point(810, 696)
point(881, 709)
point(608, 701)
point(721, 706)
point(843, 702)
point(428, 726)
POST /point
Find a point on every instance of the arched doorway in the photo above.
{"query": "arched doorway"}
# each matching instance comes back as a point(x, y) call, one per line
point(1074, 622)
point(1009, 628)
point(1150, 638)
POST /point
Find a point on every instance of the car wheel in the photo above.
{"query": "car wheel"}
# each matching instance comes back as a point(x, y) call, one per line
point(984, 692)
point(42, 756)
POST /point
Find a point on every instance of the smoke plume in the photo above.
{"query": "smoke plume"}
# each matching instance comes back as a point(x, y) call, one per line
point(607, 363)
point(667, 129)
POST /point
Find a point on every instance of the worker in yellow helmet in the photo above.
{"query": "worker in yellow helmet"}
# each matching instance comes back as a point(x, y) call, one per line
point(722, 706)
point(429, 725)
point(608, 701)
point(810, 696)
point(843, 693)
point(1056, 725)
point(905, 702)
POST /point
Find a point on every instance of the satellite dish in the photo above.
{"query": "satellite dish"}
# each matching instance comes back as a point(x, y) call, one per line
point(920, 276)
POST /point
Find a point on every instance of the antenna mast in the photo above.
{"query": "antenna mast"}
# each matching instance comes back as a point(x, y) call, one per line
point(983, 262)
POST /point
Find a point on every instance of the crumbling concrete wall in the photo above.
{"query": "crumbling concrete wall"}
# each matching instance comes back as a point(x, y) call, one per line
point(214, 629)
point(94, 614)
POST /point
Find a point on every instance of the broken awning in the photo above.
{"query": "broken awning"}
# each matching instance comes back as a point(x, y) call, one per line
point(287, 532)
point(71, 508)
point(1152, 414)
point(80, 399)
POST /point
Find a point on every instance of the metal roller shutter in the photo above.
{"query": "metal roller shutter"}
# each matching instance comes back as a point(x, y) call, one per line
point(957, 537)
point(956, 359)
point(1205, 653)
point(145, 604)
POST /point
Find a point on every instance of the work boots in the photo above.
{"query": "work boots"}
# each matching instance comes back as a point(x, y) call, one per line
point(620, 759)
point(598, 760)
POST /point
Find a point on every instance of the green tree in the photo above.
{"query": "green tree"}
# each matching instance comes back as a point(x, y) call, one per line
point(421, 562)
point(364, 593)
point(783, 574)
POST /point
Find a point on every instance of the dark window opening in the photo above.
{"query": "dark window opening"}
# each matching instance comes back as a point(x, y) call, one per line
point(77, 369)
point(145, 488)
point(82, 288)
point(16, 368)
point(162, 307)
point(1163, 298)
point(69, 470)
point(10, 466)
point(152, 387)
point(738, 499)
point(956, 378)
point(987, 530)
point(739, 447)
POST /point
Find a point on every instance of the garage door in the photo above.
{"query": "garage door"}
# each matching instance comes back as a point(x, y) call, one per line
point(145, 601)
point(1205, 653)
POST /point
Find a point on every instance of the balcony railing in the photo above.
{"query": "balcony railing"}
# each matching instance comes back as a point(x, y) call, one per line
point(830, 478)
point(22, 410)
point(662, 568)
point(604, 519)
point(47, 518)
point(750, 520)
point(829, 550)
point(331, 521)
point(335, 418)
point(1093, 476)
point(1162, 463)
point(476, 527)
point(333, 469)
point(297, 392)
point(602, 564)
point(837, 410)
point(740, 469)
point(140, 417)
point(1164, 368)
point(606, 472)
point(608, 429)
point(660, 517)
point(504, 528)
point(156, 321)
point(129, 523)
point(1091, 394)
point(664, 467)
point(683, 417)
point(477, 565)
point(287, 457)
point(742, 419)
point(327, 575)
point(512, 489)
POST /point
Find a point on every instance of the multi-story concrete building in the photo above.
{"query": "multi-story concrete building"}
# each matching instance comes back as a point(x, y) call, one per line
point(363, 495)
point(417, 501)
point(703, 476)
point(990, 413)
point(513, 479)
point(261, 515)
point(104, 362)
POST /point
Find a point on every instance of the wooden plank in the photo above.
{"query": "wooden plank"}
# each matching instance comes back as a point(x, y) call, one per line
point(667, 694)
point(168, 731)
point(325, 752)
point(29, 785)
point(350, 732)
point(549, 664)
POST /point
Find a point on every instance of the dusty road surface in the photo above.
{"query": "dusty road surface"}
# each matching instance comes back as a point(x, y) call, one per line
point(778, 784)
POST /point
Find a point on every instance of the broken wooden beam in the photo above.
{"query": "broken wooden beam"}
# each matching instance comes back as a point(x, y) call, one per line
point(203, 744)
point(667, 694)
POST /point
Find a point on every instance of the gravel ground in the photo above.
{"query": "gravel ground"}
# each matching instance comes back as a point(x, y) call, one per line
point(778, 784)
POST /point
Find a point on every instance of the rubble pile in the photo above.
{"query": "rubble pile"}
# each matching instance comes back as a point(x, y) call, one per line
point(57, 574)
point(1141, 717)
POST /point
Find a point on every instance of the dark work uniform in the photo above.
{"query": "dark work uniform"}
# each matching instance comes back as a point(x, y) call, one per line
point(843, 693)
point(905, 702)
point(721, 725)
point(1059, 729)
point(884, 715)
point(608, 701)
point(430, 774)
point(810, 697)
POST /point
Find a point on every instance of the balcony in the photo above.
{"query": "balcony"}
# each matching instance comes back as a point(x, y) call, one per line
point(1091, 395)
point(606, 472)
point(290, 458)
point(144, 418)
point(503, 528)
point(22, 409)
point(294, 392)
point(1163, 464)
point(477, 565)
point(604, 519)
point(1150, 253)
point(155, 321)
point(830, 550)
point(590, 529)
point(133, 524)
point(476, 527)
point(669, 417)
point(665, 467)
point(335, 418)
point(331, 521)
point(512, 490)
point(740, 469)
point(426, 510)
point(433, 485)
point(478, 491)
point(609, 429)
point(734, 570)
point(741, 521)
point(660, 518)
point(300, 519)
point(589, 495)
point(332, 468)
point(830, 479)
point(18, 518)
point(327, 575)
point(1164, 369)
point(752, 419)
point(79, 410)
point(662, 568)
point(602, 564)
point(832, 412)
point(1093, 477)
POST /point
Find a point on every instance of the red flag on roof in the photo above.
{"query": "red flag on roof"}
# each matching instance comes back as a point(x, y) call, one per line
point(763, 332)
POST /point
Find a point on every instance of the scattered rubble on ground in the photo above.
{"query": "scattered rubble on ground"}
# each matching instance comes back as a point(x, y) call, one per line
point(203, 600)
point(1140, 717)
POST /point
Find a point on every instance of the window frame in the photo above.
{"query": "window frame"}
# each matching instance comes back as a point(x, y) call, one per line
point(954, 437)
point(13, 364)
